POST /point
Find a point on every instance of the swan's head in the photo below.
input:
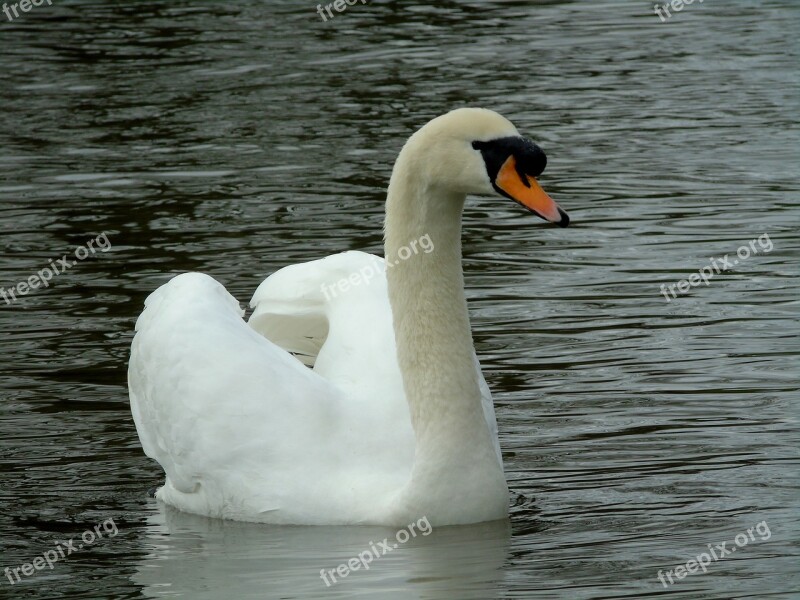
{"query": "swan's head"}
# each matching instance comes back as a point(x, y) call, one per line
point(477, 151)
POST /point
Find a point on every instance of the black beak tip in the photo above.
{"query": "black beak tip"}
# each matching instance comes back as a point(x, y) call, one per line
point(564, 218)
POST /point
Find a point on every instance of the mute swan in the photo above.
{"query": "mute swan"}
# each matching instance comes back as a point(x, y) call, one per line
point(394, 421)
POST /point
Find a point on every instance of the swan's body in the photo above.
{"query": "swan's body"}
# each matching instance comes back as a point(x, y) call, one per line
point(395, 421)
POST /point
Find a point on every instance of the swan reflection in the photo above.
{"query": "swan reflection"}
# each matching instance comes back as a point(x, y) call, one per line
point(204, 558)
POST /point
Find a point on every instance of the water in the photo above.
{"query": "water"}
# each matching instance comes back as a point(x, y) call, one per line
point(235, 139)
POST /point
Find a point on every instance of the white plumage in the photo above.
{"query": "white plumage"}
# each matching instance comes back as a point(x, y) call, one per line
point(390, 421)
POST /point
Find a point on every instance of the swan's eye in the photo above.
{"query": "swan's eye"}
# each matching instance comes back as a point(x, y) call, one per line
point(530, 158)
point(513, 164)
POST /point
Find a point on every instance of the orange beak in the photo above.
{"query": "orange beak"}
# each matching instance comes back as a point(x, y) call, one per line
point(527, 191)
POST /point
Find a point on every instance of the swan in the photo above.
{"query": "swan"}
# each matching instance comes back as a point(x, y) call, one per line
point(393, 421)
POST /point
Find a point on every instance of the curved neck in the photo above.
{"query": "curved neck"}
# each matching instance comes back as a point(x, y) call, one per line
point(431, 321)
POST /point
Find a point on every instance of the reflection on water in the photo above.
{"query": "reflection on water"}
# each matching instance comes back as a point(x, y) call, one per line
point(236, 138)
point(199, 556)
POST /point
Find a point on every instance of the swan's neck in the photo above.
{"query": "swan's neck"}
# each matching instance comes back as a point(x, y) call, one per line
point(431, 324)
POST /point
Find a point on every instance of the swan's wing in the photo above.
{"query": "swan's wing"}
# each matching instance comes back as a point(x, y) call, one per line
point(290, 310)
point(296, 306)
point(221, 408)
point(334, 313)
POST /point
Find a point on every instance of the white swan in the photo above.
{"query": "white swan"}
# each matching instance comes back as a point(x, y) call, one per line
point(395, 421)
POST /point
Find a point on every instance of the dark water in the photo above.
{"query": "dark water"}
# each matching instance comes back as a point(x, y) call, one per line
point(235, 138)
